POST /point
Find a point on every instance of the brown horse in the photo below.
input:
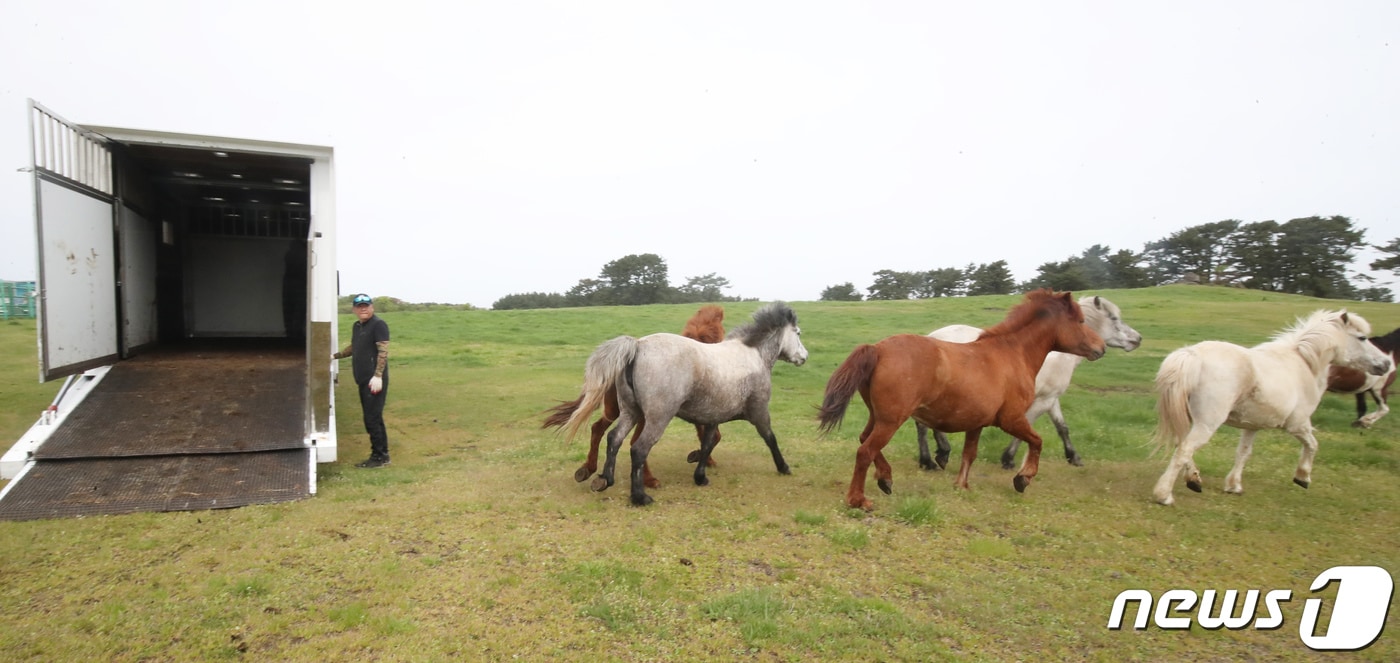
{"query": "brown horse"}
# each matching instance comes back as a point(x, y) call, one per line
point(956, 386)
point(706, 326)
point(1351, 381)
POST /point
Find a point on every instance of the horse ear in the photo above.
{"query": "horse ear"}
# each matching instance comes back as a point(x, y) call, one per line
point(1097, 303)
point(1345, 320)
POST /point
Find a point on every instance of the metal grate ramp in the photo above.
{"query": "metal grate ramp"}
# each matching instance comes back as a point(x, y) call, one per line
point(207, 401)
point(110, 486)
point(213, 426)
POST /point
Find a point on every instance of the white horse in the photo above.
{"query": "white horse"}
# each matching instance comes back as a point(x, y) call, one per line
point(1277, 384)
point(1051, 382)
point(662, 376)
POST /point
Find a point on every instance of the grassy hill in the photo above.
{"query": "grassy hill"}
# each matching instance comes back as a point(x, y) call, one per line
point(476, 544)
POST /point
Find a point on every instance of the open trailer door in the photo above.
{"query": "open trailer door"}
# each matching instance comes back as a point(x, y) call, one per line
point(74, 220)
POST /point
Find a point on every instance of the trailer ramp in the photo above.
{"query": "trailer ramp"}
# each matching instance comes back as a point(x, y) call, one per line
point(210, 427)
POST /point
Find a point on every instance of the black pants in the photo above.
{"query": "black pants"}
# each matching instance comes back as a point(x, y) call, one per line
point(373, 406)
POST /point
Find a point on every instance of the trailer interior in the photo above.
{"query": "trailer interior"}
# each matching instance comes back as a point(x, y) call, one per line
point(194, 383)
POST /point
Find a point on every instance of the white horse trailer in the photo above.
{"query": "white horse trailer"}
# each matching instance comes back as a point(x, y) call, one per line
point(187, 291)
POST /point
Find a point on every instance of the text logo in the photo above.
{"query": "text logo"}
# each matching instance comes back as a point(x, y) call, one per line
point(1358, 613)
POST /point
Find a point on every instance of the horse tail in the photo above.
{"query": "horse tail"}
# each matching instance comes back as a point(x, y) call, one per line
point(559, 414)
point(1180, 372)
point(600, 374)
point(852, 376)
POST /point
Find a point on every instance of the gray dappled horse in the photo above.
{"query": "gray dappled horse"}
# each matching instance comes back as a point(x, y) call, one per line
point(664, 376)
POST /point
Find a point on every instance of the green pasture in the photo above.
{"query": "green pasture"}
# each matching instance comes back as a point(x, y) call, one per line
point(477, 544)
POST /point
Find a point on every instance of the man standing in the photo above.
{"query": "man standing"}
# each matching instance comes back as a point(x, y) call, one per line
point(369, 350)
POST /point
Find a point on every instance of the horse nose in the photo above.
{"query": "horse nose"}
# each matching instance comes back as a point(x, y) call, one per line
point(1381, 368)
point(1135, 342)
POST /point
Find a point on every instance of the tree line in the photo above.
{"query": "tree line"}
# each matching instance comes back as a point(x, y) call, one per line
point(630, 280)
point(1308, 256)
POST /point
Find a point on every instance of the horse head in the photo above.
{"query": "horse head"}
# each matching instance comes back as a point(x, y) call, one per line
point(1105, 319)
point(777, 322)
point(1072, 335)
point(792, 349)
point(1354, 351)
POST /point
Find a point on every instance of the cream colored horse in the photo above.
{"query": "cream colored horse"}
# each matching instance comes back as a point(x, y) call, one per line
point(1277, 384)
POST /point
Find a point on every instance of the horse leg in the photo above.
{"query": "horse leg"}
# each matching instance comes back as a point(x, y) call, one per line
point(1303, 476)
point(694, 456)
point(1370, 419)
point(925, 460)
point(1031, 465)
point(764, 426)
point(605, 479)
point(647, 479)
point(1008, 455)
point(1234, 481)
point(884, 474)
point(709, 437)
point(969, 454)
point(1360, 411)
point(945, 449)
point(1181, 460)
point(873, 439)
point(590, 465)
point(640, 449)
point(1062, 429)
point(939, 461)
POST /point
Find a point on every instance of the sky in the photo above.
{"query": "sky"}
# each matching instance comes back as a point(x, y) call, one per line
point(485, 149)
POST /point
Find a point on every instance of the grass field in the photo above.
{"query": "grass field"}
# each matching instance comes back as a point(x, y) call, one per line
point(476, 544)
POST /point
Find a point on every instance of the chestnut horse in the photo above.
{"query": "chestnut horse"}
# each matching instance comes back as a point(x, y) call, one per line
point(1351, 381)
point(706, 326)
point(957, 387)
point(1051, 383)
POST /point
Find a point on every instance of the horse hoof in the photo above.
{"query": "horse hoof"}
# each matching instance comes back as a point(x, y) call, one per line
point(599, 484)
point(886, 485)
point(642, 500)
point(693, 457)
point(942, 461)
point(1076, 461)
point(651, 483)
point(702, 480)
point(1020, 482)
point(1008, 462)
point(1360, 424)
point(1195, 486)
point(927, 464)
point(1302, 483)
point(784, 469)
point(582, 474)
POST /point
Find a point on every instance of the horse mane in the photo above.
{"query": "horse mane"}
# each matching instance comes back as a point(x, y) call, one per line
point(1037, 304)
point(767, 320)
point(1310, 335)
point(707, 325)
point(1388, 343)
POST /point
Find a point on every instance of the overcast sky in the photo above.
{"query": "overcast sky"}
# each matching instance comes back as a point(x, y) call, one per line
point(484, 149)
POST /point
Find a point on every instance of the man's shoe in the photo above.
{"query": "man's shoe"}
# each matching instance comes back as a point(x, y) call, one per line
point(373, 462)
